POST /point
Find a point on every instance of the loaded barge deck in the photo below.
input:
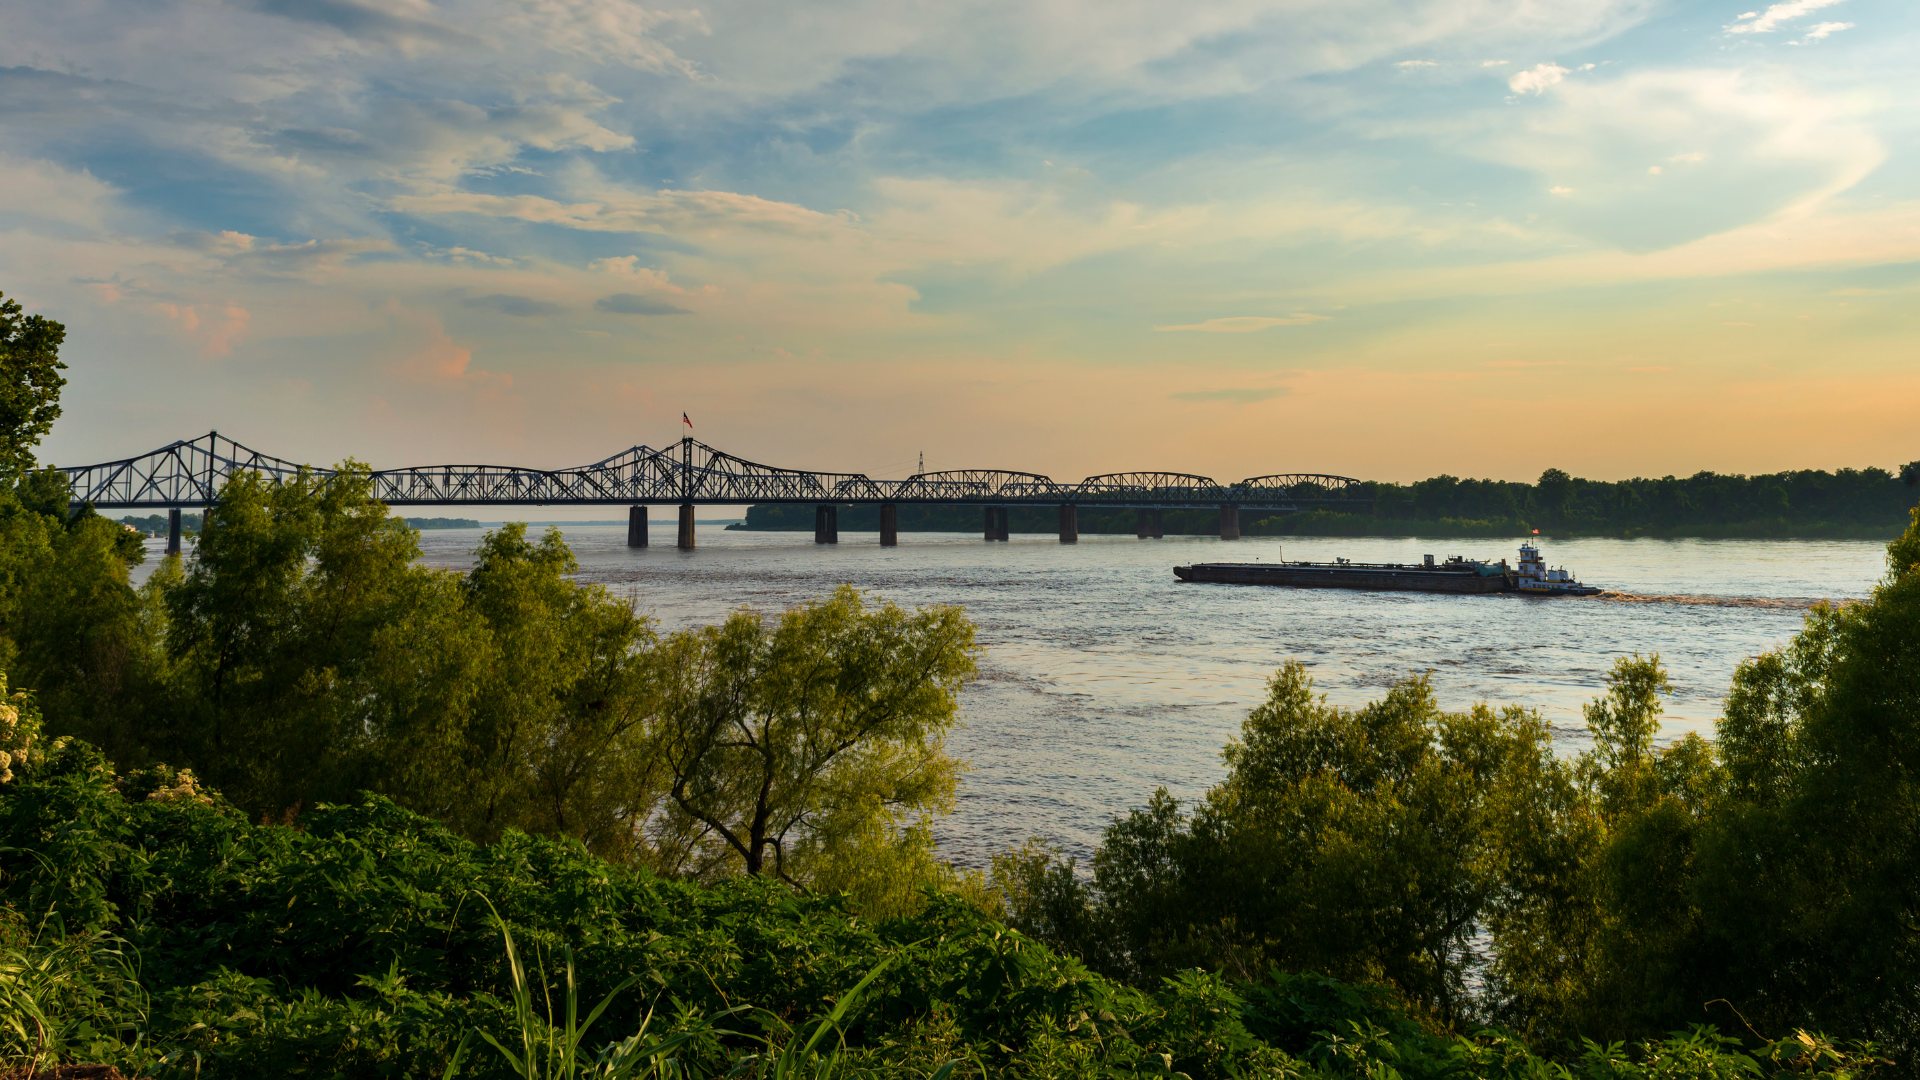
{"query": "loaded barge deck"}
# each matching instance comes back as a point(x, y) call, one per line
point(1456, 575)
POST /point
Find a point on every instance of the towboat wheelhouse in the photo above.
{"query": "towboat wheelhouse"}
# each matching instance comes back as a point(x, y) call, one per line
point(1535, 577)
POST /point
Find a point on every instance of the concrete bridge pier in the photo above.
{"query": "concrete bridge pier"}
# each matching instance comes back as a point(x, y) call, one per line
point(1159, 529)
point(826, 524)
point(996, 522)
point(889, 525)
point(686, 526)
point(636, 526)
point(1149, 525)
point(173, 530)
point(1069, 523)
point(1229, 523)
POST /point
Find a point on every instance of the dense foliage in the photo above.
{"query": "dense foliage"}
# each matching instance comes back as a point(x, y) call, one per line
point(148, 924)
point(1766, 879)
point(1870, 502)
point(304, 655)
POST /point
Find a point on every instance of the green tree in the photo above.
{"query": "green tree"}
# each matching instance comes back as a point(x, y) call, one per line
point(311, 657)
point(30, 383)
point(1376, 844)
point(1555, 492)
point(270, 636)
point(1625, 721)
point(566, 684)
point(818, 732)
point(1807, 871)
point(87, 641)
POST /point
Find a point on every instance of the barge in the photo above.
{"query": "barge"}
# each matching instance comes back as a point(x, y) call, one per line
point(1455, 575)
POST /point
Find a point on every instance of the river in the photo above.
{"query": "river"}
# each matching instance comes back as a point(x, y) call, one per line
point(1103, 678)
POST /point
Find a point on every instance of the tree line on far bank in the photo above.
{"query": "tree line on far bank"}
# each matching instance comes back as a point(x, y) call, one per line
point(1868, 503)
point(157, 524)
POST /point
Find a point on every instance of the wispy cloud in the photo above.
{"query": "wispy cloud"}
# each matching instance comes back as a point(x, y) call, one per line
point(635, 304)
point(505, 304)
point(1244, 324)
point(1820, 31)
point(1769, 21)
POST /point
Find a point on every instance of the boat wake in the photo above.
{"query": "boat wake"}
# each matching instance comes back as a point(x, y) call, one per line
point(1780, 603)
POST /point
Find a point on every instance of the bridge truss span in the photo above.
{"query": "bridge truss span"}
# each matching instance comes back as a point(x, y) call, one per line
point(192, 473)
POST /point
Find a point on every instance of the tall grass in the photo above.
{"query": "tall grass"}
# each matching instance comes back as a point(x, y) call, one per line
point(70, 999)
point(552, 1048)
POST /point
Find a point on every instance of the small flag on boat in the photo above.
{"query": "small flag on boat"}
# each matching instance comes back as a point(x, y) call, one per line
point(689, 423)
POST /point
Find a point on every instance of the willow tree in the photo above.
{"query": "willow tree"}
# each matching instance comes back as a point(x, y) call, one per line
point(792, 741)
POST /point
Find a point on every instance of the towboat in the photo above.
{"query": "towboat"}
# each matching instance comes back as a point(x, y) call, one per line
point(1534, 579)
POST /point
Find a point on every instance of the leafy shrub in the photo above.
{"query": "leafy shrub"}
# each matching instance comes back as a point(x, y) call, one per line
point(174, 936)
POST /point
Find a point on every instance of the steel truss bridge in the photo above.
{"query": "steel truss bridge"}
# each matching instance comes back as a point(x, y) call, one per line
point(192, 473)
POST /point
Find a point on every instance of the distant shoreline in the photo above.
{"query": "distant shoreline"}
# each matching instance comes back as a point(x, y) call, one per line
point(1357, 527)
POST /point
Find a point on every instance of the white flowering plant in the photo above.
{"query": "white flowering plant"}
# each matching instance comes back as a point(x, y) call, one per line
point(19, 731)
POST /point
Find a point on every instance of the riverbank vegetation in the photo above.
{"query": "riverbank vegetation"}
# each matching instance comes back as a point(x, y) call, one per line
point(1859, 504)
point(300, 806)
point(1397, 890)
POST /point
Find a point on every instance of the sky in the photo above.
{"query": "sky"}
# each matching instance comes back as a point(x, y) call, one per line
point(1379, 239)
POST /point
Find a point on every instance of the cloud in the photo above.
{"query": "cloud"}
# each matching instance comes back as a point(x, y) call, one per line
point(1239, 397)
point(57, 195)
point(505, 304)
point(665, 211)
point(629, 268)
point(1535, 80)
point(365, 22)
point(1559, 190)
point(1416, 63)
point(1752, 23)
point(1821, 31)
point(609, 32)
point(634, 304)
point(439, 362)
point(1765, 145)
point(1245, 324)
point(217, 331)
point(445, 140)
point(461, 255)
point(242, 251)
